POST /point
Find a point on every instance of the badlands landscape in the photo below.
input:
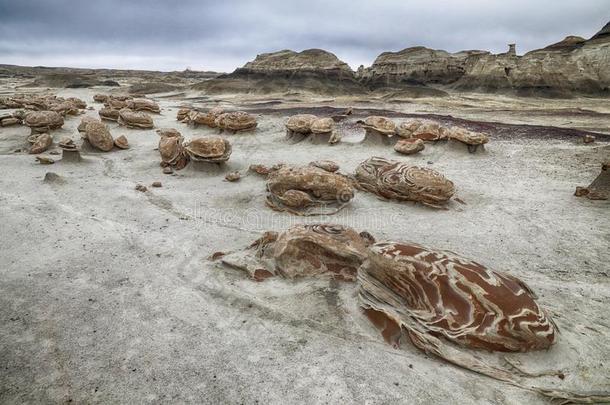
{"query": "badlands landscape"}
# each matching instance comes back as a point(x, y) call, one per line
point(250, 237)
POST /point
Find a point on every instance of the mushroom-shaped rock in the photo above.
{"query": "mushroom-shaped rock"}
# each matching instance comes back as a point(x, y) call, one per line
point(84, 121)
point(430, 131)
point(143, 104)
point(109, 114)
point(378, 130)
point(400, 181)
point(99, 137)
point(313, 250)
point(308, 190)
point(209, 149)
point(135, 119)
point(182, 114)
point(43, 121)
point(236, 121)
point(327, 165)
point(67, 143)
point(324, 127)
point(121, 142)
point(379, 124)
point(436, 294)
point(42, 143)
point(206, 118)
point(409, 146)
point(472, 139)
point(172, 152)
point(300, 124)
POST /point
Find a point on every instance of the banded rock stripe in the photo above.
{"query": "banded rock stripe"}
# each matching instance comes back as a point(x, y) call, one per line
point(442, 294)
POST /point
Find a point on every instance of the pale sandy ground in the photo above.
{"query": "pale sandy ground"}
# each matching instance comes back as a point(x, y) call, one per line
point(106, 293)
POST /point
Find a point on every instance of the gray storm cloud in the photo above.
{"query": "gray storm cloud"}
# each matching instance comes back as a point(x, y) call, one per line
point(210, 35)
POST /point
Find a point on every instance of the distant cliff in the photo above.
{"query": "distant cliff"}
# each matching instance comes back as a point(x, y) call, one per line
point(313, 70)
point(572, 66)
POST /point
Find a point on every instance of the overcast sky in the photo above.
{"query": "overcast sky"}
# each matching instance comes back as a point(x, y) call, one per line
point(222, 35)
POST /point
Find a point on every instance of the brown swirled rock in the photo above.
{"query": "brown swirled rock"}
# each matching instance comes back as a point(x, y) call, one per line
point(43, 121)
point(436, 294)
point(308, 190)
point(10, 119)
point(121, 142)
point(42, 143)
point(99, 136)
point(316, 250)
point(109, 114)
point(64, 108)
point(143, 104)
point(135, 119)
point(84, 121)
point(409, 146)
point(236, 121)
point(172, 152)
point(77, 102)
point(400, 181)
point(212, 149)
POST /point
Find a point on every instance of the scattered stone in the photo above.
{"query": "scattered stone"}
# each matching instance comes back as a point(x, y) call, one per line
point(409, 146)
point(169, 132)
point(121, 142)
point(299, 124)
point(588, 139)
point(99, 136)
point(168, 170)
point(237, 121)
point(143, 104)
point(327, 165)
point(233, 176)
point(135, 119)
point(172, 152)
point(581, 191)
point(84, 121)
point(209, 149)
point(44, 160)
point(43, 121)
point(157, 184)
point(51, 177)
point(41, 144)
point(67, 143)
point(109, 114)
point(141, 188)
